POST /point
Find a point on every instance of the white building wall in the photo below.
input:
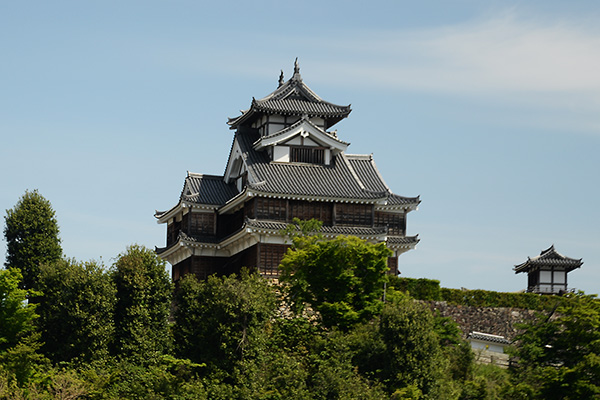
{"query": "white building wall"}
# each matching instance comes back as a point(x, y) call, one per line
point(281, 154)
point(272, 128)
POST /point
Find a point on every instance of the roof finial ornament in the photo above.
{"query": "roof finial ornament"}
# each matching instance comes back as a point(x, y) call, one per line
point(296, 66)
point(281, 79)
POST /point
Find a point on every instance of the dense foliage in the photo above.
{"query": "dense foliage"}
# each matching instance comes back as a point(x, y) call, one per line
point(143, 303)
point(559, 357)
point(429, 289)
point(223, 318)
point(16, 316)
point(114, 333)
point(342, 278)
point(76, 309)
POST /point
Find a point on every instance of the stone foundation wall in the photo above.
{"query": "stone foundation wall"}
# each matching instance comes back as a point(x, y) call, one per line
point(496, 321)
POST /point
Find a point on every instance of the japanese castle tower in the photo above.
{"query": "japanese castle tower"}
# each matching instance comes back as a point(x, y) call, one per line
point(547, 273)
point(284, 163)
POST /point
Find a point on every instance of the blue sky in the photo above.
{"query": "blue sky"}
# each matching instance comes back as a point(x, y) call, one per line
point(488, 110)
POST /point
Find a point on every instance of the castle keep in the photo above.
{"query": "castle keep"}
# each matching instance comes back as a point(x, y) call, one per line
point(284, 163)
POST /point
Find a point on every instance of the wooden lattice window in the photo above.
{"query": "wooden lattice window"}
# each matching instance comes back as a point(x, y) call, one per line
point(268, 208)
point(173, 229)
point(270, 258)
point(305, 210)
point(395, 222)
point(354, 214)
point(312, 155)
point(202, 224)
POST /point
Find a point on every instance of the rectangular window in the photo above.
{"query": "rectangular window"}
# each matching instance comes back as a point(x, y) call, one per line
point(354, 214)
point(173, 229)
point(306, 210)
point(545, 276)
point(268, 208)
point(560, 277)
point(202, 224)
point(270, 257)
point(396, 223)
point(312, 155)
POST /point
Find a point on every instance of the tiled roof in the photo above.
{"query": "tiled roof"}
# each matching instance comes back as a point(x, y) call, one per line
point(293, 97)
point(363, 232)
point(549, 257)
point(394, 199)
point(488, 338)
point(326, 230)
point(366, 170)
point(277, 226)
point(337, 180)
point(188, 238)
point(399, 240)
point(207, 189)
point(347, 178)
point(299, 107)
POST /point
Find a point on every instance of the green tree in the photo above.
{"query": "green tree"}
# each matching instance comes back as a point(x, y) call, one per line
point(144, 292)
point(31, 234)
point(333, 373)
point(17, 316)
point(76, 310)
point(342, 278)
point(411, 353)
point(23, 363)
point(559, 356)
point(20, 361)
point(221, 321)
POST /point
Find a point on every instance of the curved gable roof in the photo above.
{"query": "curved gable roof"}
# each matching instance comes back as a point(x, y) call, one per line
point(549, 257)
point(293, 97)
point(302, 125)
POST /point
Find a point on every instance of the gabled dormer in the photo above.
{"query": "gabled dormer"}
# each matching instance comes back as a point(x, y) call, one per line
point(289, 103)
point(302, 142)
point(236, 171)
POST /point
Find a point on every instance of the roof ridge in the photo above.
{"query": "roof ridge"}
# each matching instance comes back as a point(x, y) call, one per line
point(199, 175)
point(369, 158)
point(359, 156)
point(352, 171)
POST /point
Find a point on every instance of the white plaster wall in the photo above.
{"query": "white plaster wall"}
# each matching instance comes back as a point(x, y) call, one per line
point(272, 128)
point(310, 142)
point(477, 345)
point(295, 141)
point(281, 154)
point(318, 121)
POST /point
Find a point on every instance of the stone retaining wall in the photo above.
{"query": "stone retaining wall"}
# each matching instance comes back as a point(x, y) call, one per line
point(497, 321)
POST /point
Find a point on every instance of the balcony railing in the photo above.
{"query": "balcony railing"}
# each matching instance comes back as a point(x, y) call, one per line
point(549, 289)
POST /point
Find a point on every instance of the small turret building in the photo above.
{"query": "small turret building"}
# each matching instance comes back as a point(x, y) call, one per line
point(284, 163)
point(547, 273)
